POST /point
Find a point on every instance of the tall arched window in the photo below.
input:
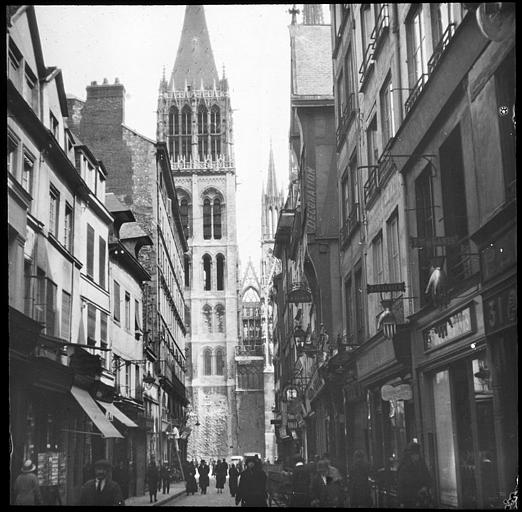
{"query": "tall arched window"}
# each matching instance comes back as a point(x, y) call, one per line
point(202, 132)
point(184, 214)
point(220, 271)
point(207, 226)
point(186, 131)
point(220, 362)
point(207, 272)
point(220, 317)
point(272, 213)
point(174, 132)
point(207, 362)
point(217, 218)
point(215, 131)
point(270, 230)
point(207, 318)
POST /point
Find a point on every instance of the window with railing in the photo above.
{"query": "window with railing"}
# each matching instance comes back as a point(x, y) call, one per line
point(417, 54)
point(368, 46)
point(350, 224)
point(387, 112)
point(14, 69)
point(382, 23)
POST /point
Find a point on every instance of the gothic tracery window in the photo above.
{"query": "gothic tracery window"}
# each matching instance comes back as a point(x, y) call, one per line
point(207, 273)
point(217, 218)
point(207, 362)
point(207, 226)
point(220, 271)
point(215, 131)
point(174, 132)
point(220, 318)
point(186, 132)
point(207, 318)
point(220, 362)
point(202, 131)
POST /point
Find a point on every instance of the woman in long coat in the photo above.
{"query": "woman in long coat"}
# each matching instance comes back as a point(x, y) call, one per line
point(221, 476)
point(359, 483)
point(191, 486)
point(152, 480)
point(233, 475)
point(413, 479)
point(203, 471)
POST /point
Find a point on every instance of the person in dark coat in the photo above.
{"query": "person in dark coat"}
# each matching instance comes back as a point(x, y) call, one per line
point(165, 478)
point(221, 475)
point(120, 474)
point(101, 490)
point(359, 483)
point(413, 479)
point(233, 476)
point(325, 490)
point(300, 485)
point(251, 491)
point(190, 474)
point(153, 477)
point(203, 471)
point(26, 488)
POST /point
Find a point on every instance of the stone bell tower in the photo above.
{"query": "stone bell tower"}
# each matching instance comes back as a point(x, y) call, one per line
point(195, 120)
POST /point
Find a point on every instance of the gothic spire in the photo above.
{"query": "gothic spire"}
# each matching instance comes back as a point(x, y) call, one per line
point(194, 60)
point(312, 14)
point(271, 186)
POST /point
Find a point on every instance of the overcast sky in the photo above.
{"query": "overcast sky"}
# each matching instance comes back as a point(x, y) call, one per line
point(133, 43)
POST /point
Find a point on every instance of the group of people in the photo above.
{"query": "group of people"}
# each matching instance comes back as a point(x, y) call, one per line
point(319, 484)
point(158, 477)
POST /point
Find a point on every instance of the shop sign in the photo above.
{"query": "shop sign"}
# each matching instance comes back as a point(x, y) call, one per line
point(275, 422)
point(455, 326)
point(51, 468)
point(315, 386)
point(401, 392)
point(499, 255)
point(436, 241)
point(299, 296)
point(386, 287)
point(376, 357)
point(500, 310)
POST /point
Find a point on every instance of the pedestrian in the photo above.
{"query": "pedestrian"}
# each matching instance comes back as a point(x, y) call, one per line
point(251, 490)
point(221, 475)
point(153, 477)
point(300, 485)
point(240, 467)
point(325, 490)
point(191, 486)
point(120, 475)
point(203, 471)
point(233, 475)
point(213, 466)
point(26, 488)
point(165, 477)
point(101, 490)
point(413, 479)
point(359, 483)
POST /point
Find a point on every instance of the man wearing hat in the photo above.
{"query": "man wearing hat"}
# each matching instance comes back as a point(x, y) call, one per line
point(252, 485)
point(101, 490)
point(26, 488)
point(300, 485)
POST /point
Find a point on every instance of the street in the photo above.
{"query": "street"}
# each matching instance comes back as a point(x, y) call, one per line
point(211, 499)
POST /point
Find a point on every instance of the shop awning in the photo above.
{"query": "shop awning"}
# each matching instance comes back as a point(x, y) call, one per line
point(112, 409)
point(88, 404)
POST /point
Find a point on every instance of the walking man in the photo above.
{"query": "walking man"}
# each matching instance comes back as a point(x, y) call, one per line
point(165, 477)
point(153, 479)
point(101, 490)
point(252, 485)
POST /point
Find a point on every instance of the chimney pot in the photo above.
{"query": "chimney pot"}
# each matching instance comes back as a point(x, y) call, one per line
point(116, 80)
point(94, 83)
point(105, 81)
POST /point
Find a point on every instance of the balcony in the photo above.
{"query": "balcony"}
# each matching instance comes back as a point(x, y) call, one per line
point(249, 350)
point(378, 177)
point(415, 92)
point(381, 27)
point(350, 224)
point(371, 187)
point(441, 47)
point(367, 64)
point(462, 262)
point(346, 119)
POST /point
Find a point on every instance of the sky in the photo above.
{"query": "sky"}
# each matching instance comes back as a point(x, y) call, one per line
point(134, 43)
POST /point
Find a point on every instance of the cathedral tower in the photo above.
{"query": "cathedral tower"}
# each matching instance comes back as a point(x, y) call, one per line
point(195, 121)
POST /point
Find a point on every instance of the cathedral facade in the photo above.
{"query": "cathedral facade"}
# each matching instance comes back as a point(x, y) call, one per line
point(195, 121)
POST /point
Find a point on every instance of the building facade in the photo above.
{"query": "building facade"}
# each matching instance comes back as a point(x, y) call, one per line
point(141, 178)
point(425, 109)
point(195, 124)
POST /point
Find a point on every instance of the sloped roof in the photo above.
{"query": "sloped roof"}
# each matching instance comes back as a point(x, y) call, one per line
point(194, 61)
point(250, 279)
point(312, 60)
point(271, 186)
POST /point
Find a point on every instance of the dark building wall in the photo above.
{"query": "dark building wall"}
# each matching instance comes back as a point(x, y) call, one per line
point(250, 422)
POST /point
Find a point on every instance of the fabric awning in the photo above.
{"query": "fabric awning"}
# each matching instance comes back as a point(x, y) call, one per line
point(88, 404)
point(112, 409)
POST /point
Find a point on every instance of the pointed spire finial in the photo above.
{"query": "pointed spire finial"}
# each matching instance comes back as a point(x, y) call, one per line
point(223, 71)
point(294, 11)
point(313, 14)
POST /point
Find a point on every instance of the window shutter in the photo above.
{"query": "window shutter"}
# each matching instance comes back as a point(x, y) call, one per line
point(102, 246)
point(90, 251)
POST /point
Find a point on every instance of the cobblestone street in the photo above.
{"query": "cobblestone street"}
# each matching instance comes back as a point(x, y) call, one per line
point(211, 499)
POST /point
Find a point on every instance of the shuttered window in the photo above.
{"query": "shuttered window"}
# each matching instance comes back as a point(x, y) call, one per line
point(66, 316)
point(116, 299)
point(91, 324)
point(90, 251)
point(102, 270)
point(50, 316)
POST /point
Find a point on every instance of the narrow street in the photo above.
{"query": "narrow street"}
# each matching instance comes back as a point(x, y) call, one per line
point(211, 499)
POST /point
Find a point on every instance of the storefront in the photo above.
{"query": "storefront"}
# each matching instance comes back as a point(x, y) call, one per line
point(387, 417)
point(456, 395)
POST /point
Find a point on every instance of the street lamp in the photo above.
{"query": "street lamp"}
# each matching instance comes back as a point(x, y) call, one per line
point(299, 338)
point(149, 381)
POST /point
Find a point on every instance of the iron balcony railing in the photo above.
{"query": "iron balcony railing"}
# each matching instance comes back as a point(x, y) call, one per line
point(462, 261)
point(378, 177)
point(350, 224)
point(371, 187)
point(381, 25)
point(432, 64)
point(345, 119)
point(367, 63)
point(441, 47)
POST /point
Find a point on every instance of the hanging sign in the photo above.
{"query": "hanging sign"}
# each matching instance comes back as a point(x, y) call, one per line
point(500, 310)
point(400, 392)
point(455, 326)
point(299, 296)
point(386, 288)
